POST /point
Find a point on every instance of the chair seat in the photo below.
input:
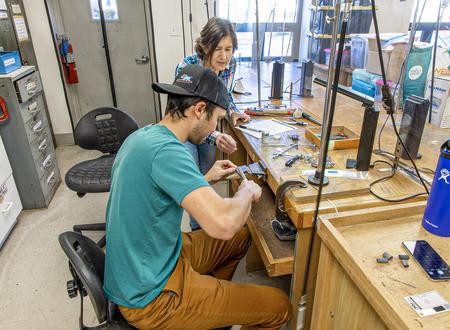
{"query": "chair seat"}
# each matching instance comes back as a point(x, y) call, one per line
point(91, 176)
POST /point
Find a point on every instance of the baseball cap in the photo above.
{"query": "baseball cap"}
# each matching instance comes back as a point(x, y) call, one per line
point(195, 80)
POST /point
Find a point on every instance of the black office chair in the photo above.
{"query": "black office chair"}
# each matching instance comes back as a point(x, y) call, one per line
point(86, 264)
point(103, 129)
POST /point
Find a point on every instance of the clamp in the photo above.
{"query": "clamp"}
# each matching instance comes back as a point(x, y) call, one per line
point(258, 169)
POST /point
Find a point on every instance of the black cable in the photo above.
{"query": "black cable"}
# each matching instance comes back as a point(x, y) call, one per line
point(386, 178)
point(388, 100)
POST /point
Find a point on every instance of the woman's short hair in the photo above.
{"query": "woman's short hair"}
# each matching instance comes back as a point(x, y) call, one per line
point(212, 33)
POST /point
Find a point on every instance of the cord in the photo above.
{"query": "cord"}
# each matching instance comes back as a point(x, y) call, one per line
point(386, 178)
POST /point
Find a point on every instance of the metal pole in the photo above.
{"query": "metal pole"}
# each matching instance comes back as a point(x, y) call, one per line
point(108, 58)
point(332, 72)
point(410, 46)
point(207, 9)
point(258, 64)
point(282, 37)
point(442, 5)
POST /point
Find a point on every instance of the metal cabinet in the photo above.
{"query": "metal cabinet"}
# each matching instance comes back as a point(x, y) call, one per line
point(27, 138)
point(10, 205)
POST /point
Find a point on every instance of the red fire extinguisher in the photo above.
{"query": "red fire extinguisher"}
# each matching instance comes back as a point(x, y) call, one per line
point(68, 61)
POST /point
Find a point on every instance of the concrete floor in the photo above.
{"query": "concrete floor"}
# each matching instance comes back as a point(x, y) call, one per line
point(33, 268)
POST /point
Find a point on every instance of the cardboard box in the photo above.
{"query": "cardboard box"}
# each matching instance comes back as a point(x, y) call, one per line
point(440, 114)
point(373, 61)
point(393, 57)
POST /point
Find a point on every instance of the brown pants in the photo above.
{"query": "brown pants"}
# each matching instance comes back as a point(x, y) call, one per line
point(199, 294)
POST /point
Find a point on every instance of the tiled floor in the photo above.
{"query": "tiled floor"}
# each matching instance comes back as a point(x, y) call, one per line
point(33, 268)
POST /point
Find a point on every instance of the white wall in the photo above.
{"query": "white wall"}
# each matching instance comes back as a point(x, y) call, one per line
point(48, 66)
point(168, 32)
point(394, 15)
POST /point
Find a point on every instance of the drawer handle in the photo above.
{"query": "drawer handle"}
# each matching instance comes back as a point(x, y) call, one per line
point(33, 108)
point(47, 162)
point(8, 208)
point(38, 127)
point(51, 178)
point(31, 87)
point(43, 145)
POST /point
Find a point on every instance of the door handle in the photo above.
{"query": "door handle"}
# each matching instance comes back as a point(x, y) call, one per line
point(143, 60)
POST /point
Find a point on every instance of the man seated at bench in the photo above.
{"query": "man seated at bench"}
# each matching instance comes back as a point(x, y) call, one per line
point(160, 277)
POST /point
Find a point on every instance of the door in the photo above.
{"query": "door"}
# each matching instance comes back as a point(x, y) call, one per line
point(128, 41)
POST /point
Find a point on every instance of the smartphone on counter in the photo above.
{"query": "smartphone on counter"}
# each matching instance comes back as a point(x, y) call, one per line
point(435, 267)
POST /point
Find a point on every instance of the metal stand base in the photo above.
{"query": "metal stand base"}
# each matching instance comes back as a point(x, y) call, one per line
point(315, 181)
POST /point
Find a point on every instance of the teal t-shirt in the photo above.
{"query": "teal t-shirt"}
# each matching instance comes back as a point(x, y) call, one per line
point(152, 173)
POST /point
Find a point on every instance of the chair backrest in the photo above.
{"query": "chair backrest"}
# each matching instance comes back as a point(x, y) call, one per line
point(88, 261)
point(104, 129)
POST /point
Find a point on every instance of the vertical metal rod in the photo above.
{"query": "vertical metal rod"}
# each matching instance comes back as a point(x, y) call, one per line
point(272, 14)
point(282, 36)
point(107, 55)
point(313, 29)
point(207, 9)
point(408, 51)
point(295, 22)
point(190, 26)
point(332, 71)
point(442, 6)
point(258, 64)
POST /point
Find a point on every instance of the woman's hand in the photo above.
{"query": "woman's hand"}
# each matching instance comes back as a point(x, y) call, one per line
point(226, 143)
point(241, 117)
point(220, 170)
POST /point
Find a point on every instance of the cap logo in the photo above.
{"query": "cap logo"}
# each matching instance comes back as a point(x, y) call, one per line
point(185, 79)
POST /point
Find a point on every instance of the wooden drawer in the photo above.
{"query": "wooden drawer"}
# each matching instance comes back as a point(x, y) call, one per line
point(277, 256)
point(28, 86)
point(10, 207)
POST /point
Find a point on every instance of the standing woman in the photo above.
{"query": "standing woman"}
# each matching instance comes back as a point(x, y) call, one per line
point(214, 49)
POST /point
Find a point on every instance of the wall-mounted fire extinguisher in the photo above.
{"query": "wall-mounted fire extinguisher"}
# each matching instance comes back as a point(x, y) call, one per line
point(68, 61)
point(3, 111)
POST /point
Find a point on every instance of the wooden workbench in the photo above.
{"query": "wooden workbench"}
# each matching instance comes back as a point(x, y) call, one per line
point(281, 258)
point(351, 285)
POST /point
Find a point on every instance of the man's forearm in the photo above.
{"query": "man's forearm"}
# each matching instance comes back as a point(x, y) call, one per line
point(239, 207)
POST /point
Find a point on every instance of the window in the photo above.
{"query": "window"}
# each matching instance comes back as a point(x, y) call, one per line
point(279, 27)
point(109, 10)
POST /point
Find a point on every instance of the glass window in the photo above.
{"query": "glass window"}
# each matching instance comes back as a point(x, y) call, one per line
point(245, 41)
point(109, 10)
point(280, 45)
point(243, 11)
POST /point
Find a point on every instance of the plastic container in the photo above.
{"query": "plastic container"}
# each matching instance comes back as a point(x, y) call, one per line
point(436, 218)
point(346, 56)
point(378, 83)
point(359, 46)
point(9, 61)
point(363, 87)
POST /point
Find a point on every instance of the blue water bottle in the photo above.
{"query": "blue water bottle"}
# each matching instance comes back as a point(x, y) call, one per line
point(436, 218)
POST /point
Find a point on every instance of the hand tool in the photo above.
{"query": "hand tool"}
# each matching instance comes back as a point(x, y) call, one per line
point(241, 174)
point(278, 154)
point(292, 160)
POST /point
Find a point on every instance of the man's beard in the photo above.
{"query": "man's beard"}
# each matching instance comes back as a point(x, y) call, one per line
point(197, 136)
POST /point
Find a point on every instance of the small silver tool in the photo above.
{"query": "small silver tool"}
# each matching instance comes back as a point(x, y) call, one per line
point(241, 174)
point(281, 153)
